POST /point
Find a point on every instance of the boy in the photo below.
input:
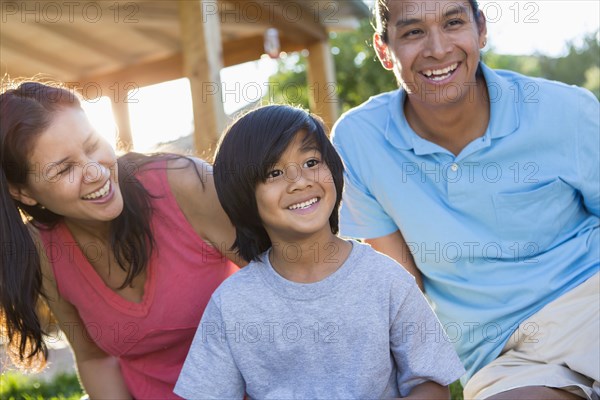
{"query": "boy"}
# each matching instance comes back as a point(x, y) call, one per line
point(312, 315)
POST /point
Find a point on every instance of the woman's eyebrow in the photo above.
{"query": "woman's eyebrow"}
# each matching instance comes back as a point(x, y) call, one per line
point(90, 136)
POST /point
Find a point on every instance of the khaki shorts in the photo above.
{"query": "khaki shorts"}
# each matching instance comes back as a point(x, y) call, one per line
point(558, 347)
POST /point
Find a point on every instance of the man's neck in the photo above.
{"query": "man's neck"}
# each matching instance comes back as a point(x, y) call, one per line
point(452, 126)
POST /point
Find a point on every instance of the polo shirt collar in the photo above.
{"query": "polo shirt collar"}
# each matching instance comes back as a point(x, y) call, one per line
point(504, 113)
point(504, 116)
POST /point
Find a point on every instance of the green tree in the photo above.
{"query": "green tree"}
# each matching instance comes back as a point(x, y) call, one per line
point(580, 66)
point(359, 74)
point(358, 71)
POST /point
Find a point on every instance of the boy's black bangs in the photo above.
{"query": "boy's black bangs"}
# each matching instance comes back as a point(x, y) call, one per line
point(275, 151)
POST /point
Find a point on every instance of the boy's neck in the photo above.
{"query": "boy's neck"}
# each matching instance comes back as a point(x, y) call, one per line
point(310, 260)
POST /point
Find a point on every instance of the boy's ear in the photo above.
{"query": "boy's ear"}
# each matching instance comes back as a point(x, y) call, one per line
point(383, 52)
point(21, 194)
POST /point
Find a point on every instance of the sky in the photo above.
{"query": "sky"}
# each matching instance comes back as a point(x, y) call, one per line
point(514, 27)
point(525, 27)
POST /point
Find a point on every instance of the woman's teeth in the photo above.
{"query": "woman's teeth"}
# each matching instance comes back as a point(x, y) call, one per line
point(103, 191)
point(305, 204)
point(440, 74)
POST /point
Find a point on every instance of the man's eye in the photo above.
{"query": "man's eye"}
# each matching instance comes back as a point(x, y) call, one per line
point(455, 22)
point(413, 32)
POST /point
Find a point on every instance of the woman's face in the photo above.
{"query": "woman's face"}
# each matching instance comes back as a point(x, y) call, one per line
point(73, 171)
point(433, 48)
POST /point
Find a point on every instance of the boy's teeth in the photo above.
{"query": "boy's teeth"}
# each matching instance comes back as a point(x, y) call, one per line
point(305, 204)
point(99, 193)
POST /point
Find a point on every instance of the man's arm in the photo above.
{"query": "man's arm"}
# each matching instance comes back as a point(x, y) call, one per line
point(429, 391)
point(394, 246)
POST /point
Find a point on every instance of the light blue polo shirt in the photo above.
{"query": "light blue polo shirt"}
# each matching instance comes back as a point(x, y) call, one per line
point(498, 231)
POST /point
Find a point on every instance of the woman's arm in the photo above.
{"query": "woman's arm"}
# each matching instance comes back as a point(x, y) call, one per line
point(99, 373)
point(394, 246)
point(194, 189)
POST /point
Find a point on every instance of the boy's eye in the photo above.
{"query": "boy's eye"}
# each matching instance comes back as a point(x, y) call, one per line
point(311, 163)
point(274, 174)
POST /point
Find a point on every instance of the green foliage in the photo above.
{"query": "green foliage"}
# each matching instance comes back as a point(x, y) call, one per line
point(289, 85)
point(360, 75)
point(527, 65)
point(580, 66)
point(66, 387)
point(573, 68)
point(456, 391)
point(358, 71)
point(19, 387)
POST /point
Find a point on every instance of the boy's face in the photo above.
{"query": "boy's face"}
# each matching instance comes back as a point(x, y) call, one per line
point(298, 197)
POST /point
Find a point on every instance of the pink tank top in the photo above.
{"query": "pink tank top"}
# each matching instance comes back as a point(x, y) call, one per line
point(150, 338)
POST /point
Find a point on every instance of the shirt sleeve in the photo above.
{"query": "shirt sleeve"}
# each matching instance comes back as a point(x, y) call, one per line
point(588, 151)
point(210, 371)
point(361, 215)
point(420, 346)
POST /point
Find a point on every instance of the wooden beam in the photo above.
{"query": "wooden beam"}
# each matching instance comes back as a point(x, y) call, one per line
point(322, 86)
point(124, 137)
point(171, 68)
point(81, 38)
point(252, 48)
point(202, 63)
point(116, 83)
point(157, 36)
point(291, 17)
point(25, 49)
point(17, 65)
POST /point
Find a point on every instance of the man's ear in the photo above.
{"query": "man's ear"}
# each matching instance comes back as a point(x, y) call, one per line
point(21, 194)
point(383, 52)
point(482, 28)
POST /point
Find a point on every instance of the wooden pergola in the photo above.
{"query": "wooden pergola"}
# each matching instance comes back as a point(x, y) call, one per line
point(107, 48)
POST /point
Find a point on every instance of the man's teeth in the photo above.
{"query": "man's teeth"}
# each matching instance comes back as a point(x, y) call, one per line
point(305, 204)
point(98, 193)
point(439, 74)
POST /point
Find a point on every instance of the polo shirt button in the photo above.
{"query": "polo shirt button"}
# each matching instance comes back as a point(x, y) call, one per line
point(454, 167)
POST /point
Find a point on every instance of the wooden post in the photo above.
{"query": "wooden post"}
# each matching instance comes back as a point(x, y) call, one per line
point(322, 86)
point(202, 62)
point(121, 113)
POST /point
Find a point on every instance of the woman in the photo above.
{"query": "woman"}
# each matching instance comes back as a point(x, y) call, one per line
point(125, 252)
point(490, 179)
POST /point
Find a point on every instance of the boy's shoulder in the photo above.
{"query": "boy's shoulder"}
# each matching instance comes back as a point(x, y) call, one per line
point(378, 266)
point(247, 276)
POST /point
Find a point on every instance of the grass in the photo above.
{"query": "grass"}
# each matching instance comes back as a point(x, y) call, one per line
point(18, 387)
point(66, 387)
point(456, 391)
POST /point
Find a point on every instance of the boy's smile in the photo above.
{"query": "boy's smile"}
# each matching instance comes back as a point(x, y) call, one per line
point(296, 200)
point(304, 207)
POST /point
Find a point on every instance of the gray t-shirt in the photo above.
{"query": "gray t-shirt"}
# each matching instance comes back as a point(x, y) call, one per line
point(365, 331)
